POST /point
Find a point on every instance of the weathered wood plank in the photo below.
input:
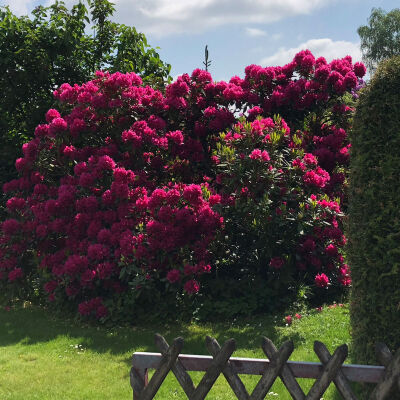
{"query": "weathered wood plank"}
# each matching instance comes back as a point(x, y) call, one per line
point(178, 369)
point(137, 382)
point(383, 354)
point(286, 374)
point(230, 375)
point(251, 366)
point(214, 370)
point(340, 380)
point(390, 380)
point(329, 372)
point(166, 363)
point(275, 366)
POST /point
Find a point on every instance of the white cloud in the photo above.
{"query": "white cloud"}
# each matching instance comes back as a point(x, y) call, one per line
point(327, 48)
point(19, 7)
point(255, 32)
point(164, 17)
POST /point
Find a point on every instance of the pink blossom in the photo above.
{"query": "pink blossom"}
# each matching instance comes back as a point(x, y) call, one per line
point(98, 252)
point(309, 159)
point(50, 286)
point(41, 231)
point(157, 197)
point(57, 125)
point(298, 164)
point(106, 163)
point(265, 156)
point(122, 175)
point(192, 286)
point(70, 152)
point(214, 199)
point(201, 76)
point(331, 250)
point(22, 164)
point(193, 194)
point(15, 274)
point(78, 125)
point(86, 179)
point(318, 177)
point(322, 73)
point(105, 270)
point(156, 122)
point(359, 69)
point(52, 114)
point(277, 262)
point(80, 168)
point(120, 190)
point(254, 112)
point(41, 131)
point(10, 226)
point(87, 276)
point(175, 136)
point(203, 268)
point(255, 154)
point(173, 276)
point(101, 311)
point(74, 264)
point(30, 149)
point(84, 308)
point(15, 203)
point(321, 280)
point(350, 80)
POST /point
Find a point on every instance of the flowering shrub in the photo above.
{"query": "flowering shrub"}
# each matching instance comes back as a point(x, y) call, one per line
point(125, 187)
point(281, 226)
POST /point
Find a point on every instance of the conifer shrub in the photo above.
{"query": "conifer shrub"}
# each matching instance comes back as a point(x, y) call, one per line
point(374, 214)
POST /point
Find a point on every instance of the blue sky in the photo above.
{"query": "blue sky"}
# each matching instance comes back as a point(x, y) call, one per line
point(240, 32)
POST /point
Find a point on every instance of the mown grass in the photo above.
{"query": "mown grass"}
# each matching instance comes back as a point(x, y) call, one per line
point(44, 357)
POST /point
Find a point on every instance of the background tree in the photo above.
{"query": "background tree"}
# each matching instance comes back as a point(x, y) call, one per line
point(380, 39)
point(53, 46)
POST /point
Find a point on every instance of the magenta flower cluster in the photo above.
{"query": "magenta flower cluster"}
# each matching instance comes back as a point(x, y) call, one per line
point(117, 188)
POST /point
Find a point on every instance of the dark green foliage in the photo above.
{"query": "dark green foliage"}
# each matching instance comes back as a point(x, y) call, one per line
point(40, 53)
point(374, 214)
point(380, 39)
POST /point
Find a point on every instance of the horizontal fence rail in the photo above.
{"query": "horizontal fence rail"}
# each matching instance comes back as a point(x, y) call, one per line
point(253, 366)
point(331, 369)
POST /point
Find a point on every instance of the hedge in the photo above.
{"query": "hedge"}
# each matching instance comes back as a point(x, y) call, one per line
point(374, 214)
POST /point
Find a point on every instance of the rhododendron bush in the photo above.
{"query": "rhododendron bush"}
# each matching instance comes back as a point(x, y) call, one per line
point(126, 189)
point(282, 223)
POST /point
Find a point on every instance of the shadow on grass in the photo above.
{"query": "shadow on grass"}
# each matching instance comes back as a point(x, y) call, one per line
point(32, 325)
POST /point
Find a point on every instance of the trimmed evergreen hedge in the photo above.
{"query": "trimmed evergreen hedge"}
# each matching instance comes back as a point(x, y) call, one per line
point(374, 214)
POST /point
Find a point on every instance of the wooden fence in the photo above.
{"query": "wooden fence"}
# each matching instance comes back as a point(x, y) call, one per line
point(331, 369)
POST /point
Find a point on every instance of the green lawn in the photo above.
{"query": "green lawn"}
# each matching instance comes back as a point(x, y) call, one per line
point(43, 357)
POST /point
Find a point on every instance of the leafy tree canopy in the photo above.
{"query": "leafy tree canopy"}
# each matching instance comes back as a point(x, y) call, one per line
point(53, 46)
point(380, 39)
